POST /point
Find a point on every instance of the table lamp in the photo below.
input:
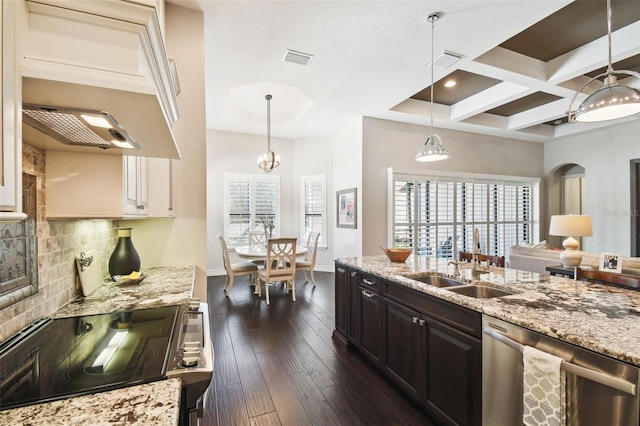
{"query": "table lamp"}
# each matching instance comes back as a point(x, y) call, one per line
point(570, 226)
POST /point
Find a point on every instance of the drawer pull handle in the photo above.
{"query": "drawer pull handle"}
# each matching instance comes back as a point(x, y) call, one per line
point(353, 274)
point(367, 294)
point(368, 282)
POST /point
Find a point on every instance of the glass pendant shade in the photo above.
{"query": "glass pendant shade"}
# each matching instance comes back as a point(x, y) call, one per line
point(268, 161)
point(432, 150)
point(609, 103)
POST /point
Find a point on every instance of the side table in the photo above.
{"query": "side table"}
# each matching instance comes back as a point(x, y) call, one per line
point(561, 271)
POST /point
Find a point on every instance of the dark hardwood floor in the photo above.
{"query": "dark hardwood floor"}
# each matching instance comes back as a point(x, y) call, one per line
point(278, 364)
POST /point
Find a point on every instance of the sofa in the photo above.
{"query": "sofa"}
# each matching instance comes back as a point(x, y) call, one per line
point(536, 258)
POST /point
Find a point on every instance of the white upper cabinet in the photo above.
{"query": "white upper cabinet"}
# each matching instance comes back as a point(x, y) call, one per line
point(101, 55)
point(10, 122)
point(88, 186)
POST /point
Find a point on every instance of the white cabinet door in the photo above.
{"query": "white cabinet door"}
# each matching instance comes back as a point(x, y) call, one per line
point(136, 185)
point(160, 187)
point(10, 118)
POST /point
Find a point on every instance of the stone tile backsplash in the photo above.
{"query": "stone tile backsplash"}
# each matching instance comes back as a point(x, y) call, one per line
point(59, 242)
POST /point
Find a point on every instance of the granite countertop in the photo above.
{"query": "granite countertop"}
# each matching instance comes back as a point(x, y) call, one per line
point(156, 403)
point(601, 318)
point(163, 286)
point(151, 404)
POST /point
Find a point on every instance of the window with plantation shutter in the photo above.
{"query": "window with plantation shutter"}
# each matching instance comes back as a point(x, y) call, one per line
point(314, 210)
point(436, 215)
point(250, 200)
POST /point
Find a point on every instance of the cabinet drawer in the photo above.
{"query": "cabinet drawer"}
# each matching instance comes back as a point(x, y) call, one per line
point(370, 282)
point(456, 316)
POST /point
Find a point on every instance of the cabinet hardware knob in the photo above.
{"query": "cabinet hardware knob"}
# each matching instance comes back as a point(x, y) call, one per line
point(353, 274)
point(421, 322)
point(415, 320)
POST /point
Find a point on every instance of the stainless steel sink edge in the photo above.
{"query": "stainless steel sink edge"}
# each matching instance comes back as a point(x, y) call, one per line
point(460, 287)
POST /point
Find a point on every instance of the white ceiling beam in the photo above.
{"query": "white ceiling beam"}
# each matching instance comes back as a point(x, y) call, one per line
point(624, 43)
point(487, 99)
point(538, 115)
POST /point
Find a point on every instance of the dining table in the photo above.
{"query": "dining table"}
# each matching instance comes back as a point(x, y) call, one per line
point(257, 252)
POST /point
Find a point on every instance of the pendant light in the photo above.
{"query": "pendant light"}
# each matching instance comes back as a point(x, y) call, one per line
point(611, 101)
point(432, 150)
point(269, 160)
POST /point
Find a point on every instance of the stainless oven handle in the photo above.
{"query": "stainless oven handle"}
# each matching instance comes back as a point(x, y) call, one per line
point(587, 373)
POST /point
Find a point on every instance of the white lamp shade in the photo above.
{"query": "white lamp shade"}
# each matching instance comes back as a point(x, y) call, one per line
point(571, 225)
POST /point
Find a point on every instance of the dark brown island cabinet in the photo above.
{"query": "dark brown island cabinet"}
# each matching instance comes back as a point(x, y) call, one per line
point(429, 348)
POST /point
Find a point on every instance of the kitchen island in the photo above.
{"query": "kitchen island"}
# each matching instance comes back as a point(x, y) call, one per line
point(429, 329)
point(601, 318)
point(153, 403)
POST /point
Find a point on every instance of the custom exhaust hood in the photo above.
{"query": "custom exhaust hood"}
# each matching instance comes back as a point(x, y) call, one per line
point(78, 127)
point(96, 78)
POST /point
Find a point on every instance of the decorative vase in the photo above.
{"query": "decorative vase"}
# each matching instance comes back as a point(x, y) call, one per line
point(124, 259)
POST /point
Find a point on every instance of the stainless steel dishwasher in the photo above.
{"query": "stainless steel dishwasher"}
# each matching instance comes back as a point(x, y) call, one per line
point(600, 391)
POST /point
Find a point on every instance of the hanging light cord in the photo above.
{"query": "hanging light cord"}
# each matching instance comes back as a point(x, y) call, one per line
point(609, 67)
point(268, 98)
point(432, 18)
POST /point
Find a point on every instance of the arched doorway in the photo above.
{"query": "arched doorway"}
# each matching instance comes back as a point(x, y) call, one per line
point(572, 189)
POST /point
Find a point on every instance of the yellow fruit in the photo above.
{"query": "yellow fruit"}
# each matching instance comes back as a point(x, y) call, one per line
point(134, 274)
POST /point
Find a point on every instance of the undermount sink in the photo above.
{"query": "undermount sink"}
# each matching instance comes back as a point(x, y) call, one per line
point(479, 291)
point(438, 281)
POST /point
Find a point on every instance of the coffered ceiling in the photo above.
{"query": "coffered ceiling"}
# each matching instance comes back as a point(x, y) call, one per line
point(522, 62)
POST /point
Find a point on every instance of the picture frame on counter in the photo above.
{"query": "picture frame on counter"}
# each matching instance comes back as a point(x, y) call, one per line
point(347, 208)
point(610, 262)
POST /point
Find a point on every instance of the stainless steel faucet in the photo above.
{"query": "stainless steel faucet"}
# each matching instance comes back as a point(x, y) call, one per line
point(456, 270)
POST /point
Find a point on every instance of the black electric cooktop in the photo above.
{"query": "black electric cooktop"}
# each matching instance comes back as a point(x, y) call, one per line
point(59, 358)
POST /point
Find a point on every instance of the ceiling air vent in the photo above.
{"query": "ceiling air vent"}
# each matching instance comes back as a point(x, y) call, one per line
point(445, 59)
point(297, 57)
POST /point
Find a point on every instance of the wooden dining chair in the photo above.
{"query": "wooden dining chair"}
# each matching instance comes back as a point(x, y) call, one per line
point(608, 278)
point(308, 263)
point(236, 269)
point(279, 266)
point(256, 239)
point(483, 258)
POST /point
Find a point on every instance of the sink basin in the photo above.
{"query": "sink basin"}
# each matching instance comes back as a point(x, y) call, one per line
point(479, 291)
point(437, 281)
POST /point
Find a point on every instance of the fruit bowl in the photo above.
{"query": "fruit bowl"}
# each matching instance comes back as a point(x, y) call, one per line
point(398, 255)
point(131, 280)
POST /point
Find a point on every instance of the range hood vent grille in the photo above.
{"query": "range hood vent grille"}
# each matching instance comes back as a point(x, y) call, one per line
point(78, 127)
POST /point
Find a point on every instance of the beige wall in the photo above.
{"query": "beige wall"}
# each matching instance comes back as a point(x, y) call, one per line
point(392, 144)
point(604, 154)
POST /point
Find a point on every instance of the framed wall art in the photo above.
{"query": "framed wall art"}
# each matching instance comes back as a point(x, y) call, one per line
point(347, 208)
